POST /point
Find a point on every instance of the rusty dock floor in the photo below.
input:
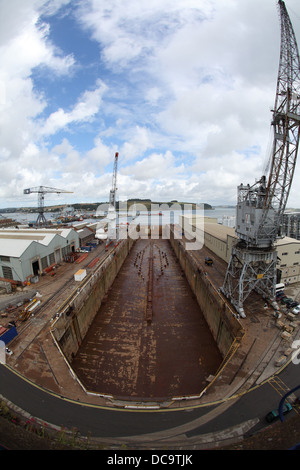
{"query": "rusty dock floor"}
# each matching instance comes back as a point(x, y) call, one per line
point(149, 339)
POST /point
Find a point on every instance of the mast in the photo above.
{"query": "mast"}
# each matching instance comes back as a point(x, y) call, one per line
point(113, 191)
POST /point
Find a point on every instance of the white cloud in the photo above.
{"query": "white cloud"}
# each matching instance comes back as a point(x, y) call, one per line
point(24, 41)
point(23, 46)
point(137, 145)
point(156, 166)
point(184, 93)
point(210, 71)
point(130, 30)
point(84, 110)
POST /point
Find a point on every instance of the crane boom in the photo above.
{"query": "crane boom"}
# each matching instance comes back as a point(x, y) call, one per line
point(44, 190)
point(286, 117)
point(260, 207)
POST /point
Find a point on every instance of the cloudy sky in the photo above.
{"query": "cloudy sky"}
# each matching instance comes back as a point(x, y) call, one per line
point(182, 89)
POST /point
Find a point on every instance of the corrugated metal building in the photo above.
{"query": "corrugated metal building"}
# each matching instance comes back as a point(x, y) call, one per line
point(26, 253)
point(219, 239)
point(86, 234)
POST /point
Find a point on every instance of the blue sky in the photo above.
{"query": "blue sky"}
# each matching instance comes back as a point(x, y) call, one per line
point(182, 89)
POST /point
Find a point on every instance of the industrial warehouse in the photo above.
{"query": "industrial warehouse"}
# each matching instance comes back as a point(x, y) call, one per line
point(26, 253)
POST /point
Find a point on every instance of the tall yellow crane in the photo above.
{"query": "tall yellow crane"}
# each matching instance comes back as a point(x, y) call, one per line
point(41, 191)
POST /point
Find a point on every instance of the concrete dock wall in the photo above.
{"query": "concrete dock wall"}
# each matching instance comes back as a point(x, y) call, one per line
point(225, 328)
point(76, 315)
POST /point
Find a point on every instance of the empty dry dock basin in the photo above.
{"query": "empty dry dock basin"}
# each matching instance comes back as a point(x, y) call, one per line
point(140, 332)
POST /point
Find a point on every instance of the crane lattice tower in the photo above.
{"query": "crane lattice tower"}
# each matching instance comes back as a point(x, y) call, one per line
point(260, 206)
point(41, 191)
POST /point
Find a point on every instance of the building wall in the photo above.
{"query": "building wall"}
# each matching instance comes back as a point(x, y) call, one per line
point(45, 255)
point(86, 235)
point(16, 268)
point(289, 260)
point(217, 238)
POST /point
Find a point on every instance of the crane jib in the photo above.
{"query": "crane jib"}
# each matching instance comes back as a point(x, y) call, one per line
point(260, 206)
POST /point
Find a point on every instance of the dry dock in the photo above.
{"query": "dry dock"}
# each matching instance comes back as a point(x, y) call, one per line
point(152, 339)
point(149, 338)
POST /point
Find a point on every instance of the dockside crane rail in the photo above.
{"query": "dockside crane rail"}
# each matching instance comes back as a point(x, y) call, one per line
point(41, 191)
point(260, 206)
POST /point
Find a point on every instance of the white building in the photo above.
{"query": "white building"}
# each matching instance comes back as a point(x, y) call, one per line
point(26, 253)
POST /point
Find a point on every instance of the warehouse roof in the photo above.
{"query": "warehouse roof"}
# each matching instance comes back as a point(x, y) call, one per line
point(222, 231)
point(219, 231)
point(13, 242)
point(286, 241)
point(32, 232)
point(84, 232)
point(13, 248)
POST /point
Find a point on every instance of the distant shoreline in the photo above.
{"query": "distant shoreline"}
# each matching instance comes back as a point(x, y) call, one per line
point(89, 207)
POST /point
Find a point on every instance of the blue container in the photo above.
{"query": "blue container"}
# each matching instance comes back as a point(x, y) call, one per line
point(9, 335)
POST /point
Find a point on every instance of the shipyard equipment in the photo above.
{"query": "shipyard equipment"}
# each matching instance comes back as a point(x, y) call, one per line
point(41, 191)
point(113, 191)
point(260, 206)
point(111, 215)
